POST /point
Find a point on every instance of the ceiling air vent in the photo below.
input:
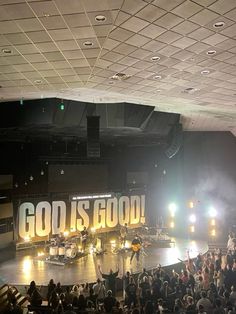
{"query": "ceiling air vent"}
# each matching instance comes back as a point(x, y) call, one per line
point(120, 76)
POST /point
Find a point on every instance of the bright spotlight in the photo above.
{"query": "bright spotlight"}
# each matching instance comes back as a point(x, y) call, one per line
point(212, 212)
point(172, 208)
point(213, 222)
point(192, 218)
point(190, 204)
point(213, 232)
point(172, 224)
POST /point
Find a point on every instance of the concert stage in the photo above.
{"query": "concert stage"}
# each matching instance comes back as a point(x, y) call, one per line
point(24, 267)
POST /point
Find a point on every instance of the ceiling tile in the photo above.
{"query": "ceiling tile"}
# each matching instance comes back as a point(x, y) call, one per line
point(39, 36)
point(133, 6)
point(18, 11)
point(140, 54)
point(168, 37)
point(7, 27)
point(120, 34)
point(67, 45)
point(17, 39)
point(73, 54)
point(53, 56)
point(221, 7)
point(28, 25)
point(185, 28)
point(214, 39)
point(169, 20)
point(112, 56)
point(153, 45)
point(59, 64)
point(47, 47)
point(187, 9)
point(121, 18)
point(35, 57)
point(230, 31)
point(111, 43)
point(200, 33)
point(53, 22)
point(42, 66)
point(125, 49)
point(204, 17)
point(70, 6)
point(152, 31)
point(167, 5)
point(83, 32)
point(61, 34)
point(43, 8)
point(134, 24)
point(138, 40)
point(169, 50)
point(150, 13)
point(198, 47)
point(76, 20)
point(27, 49)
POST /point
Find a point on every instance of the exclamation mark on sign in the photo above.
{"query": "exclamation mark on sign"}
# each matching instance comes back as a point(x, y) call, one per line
point(142, 219)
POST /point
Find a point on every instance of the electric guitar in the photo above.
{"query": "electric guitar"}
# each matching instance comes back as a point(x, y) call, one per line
point(136, 247)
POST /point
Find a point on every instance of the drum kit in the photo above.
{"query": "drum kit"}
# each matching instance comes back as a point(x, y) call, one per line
point(65, 250)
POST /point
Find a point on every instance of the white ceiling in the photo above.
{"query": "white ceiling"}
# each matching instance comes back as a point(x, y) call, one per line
point(48, 57)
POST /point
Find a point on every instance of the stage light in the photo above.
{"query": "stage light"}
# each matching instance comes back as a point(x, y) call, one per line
point(212, 212)
point(127, 245)
point(192, 229)
point(213, 232)
point(40, 253)
point(31, 178)
point(113, 243)
point(27, 238)
point(93, 230)
point(172, 224)
point(66, 233)
point(192, 218)
point(42, 172)
point(62, 172)
point(191, 205)
point(213, 222)
point(172, 208)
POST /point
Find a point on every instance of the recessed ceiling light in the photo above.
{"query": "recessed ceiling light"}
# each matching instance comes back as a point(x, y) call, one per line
point(88, 43)
point(6, 51)
point(45, 14)
point(219, 24)
point(157, 77)
point(38, 82)
point(155, 58)
point(205, 72)
point(211, 52)
point(100, 18)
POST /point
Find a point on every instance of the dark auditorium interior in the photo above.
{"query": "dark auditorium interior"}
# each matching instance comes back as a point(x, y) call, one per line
point(118, 154)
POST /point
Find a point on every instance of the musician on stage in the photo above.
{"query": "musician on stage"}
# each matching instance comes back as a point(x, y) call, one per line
point(136, 247)
point(84, 236)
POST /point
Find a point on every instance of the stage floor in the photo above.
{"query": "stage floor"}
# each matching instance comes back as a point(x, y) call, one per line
point(23, 268)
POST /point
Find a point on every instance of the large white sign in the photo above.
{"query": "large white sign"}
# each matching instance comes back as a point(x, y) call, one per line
point(44, 218)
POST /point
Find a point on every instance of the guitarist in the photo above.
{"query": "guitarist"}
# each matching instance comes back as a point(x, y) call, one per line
point(84, 237)
point(136, 247)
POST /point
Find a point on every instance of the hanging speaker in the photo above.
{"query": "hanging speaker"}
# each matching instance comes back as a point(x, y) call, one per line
point(176, 141)
point(93, 144)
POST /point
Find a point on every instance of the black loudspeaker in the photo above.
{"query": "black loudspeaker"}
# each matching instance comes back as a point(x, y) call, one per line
point(93, 145)
point(176, 141)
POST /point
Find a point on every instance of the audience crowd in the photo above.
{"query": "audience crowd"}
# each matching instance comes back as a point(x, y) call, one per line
point(205, 285)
